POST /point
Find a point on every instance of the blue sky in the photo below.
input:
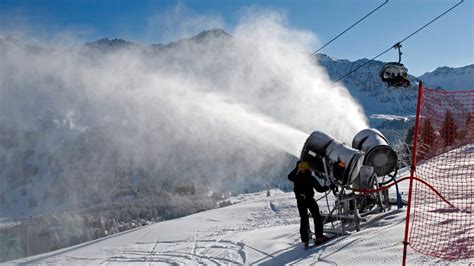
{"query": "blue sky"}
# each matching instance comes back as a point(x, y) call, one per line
point(447, 42)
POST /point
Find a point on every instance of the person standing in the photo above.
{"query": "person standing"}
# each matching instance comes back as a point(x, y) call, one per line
point(304, 183)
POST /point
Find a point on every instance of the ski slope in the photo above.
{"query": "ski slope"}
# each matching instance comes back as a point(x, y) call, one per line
point(256, 229)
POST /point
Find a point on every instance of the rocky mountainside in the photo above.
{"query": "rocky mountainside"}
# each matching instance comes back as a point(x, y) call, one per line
point(392, 109)
point(365, 85)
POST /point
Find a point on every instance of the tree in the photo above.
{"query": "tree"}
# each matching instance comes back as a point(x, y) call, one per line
point(427, 133)
point(403, 148)
point(449, 130)
point(426, 138)
point(409, 138)
point(470, 126)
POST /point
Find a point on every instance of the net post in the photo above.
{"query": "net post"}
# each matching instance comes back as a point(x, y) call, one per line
point(412, 170)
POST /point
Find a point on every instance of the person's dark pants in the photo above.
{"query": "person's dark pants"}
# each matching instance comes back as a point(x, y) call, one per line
point(303, 206)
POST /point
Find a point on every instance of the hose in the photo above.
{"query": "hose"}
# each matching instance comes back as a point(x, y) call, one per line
point(402, 179)
point(399, 198)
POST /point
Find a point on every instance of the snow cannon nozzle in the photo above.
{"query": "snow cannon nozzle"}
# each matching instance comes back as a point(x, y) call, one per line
point(335, 160)
point(378, 153)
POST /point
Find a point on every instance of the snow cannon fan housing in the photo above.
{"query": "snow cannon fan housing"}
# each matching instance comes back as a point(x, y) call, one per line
point(341, 160)
point(378, 153)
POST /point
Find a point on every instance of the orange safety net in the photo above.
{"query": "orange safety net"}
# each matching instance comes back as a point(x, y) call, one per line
point(444, 159)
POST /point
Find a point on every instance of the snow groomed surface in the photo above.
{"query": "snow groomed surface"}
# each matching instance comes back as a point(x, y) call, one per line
point(255, 230)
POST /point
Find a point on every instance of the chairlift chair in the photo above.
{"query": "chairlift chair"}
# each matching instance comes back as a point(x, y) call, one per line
point(395, 74)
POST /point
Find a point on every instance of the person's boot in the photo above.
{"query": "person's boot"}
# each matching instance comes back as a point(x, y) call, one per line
point(306, 245)
point(320, 240)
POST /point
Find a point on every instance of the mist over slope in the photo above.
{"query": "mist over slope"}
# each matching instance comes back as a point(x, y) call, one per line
point(216, 112)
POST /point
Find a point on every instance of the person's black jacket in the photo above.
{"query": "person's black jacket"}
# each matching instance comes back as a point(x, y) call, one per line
point(304, 182)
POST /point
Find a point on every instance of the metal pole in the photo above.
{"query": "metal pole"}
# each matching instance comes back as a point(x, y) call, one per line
point(27, 241)
point(412, 171)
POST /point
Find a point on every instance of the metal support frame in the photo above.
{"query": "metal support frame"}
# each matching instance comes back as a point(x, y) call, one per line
point(398, 46)
point(345, 209)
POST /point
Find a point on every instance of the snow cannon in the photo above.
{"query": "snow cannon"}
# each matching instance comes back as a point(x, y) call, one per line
point(329, 157)
point(378, 154)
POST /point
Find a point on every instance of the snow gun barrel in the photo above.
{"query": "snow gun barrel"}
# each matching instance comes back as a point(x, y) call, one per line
point(327, 156)
point(345, 166)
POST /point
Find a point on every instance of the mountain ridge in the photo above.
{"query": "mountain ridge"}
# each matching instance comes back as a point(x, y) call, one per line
point(451, 78)
point(364, 84)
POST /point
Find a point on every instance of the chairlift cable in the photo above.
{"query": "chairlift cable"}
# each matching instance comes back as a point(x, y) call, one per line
point(333, 39)
point(433, 20)
point(406, 38)
point(357, 68)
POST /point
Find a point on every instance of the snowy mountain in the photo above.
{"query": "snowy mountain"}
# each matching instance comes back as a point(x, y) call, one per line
point(365, 85)
point(108, 45)
point(449, 78)
point(392, 109)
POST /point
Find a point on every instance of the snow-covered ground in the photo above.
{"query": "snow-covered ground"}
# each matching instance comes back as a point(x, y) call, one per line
point(257, 229)
point(391, 117)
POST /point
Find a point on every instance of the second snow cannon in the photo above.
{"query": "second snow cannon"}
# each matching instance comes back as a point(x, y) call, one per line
point(328, 156)
point(378, 153)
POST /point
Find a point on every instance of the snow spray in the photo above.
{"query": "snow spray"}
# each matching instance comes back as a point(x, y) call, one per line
point(213, 109)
